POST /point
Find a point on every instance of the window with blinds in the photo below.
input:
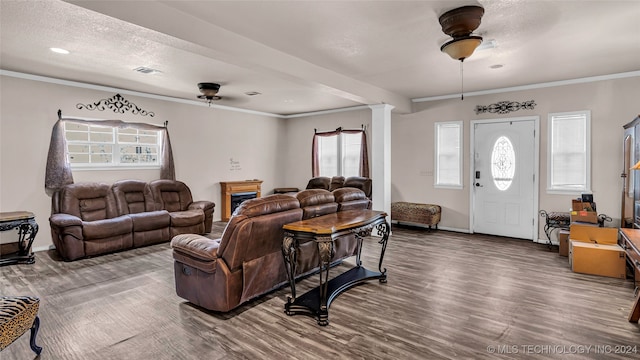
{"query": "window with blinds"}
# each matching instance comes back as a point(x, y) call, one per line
point(448, 154)
point(339, 155)
point(569, 152)
point(106, 146)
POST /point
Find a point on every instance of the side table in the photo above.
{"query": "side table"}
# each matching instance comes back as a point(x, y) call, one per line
point(324, 230)
point(27, 227)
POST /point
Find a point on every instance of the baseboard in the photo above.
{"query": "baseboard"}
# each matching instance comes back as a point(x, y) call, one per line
point(445, 228)
point(43, 248)
point(546, 242)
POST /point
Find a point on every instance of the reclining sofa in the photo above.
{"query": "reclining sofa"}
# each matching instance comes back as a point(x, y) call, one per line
point(89, 219)
point(336, 182)
point(247, 260)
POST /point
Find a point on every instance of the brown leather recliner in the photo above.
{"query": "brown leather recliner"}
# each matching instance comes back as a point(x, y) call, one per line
point(85, 222)
point(349, 198)
point(246, 262)
point(186, 215)
point(150, 226)
point(320, 182)
point(359, 182)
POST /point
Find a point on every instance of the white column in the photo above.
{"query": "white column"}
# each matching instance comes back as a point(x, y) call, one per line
point(380, 171)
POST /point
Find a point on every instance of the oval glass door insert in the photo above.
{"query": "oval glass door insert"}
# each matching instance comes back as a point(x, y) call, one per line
point(503, 163)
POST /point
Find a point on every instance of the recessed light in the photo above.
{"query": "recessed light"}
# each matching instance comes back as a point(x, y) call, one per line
point(496, 66)
point(59, 50)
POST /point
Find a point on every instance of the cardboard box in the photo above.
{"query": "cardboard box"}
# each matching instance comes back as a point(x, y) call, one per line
point(593, 234)
point(563, 239)
point(583, 212)
point(597, 259)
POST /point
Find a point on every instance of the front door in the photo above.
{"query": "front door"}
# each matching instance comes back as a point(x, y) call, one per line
point(504, 177)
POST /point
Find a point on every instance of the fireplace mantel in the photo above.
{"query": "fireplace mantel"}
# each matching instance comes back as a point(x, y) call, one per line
point(233, 187)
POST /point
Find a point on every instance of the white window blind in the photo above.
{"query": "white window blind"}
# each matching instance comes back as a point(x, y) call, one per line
point(569, 152)
point(339, 155)
point(448, 154)
point(106, 146)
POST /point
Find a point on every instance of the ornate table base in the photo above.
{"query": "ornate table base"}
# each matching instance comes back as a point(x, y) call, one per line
point(27, 227)
point(324, 231)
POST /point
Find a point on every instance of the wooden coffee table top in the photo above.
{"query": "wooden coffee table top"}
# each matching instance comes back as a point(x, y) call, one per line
point(15, 215)
point(331, 223)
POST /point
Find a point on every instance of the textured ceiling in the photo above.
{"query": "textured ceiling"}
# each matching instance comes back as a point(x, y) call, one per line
point(314, 55)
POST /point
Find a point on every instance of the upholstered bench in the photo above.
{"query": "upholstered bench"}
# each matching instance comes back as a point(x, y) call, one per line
point(17, 315)
point(415, 213)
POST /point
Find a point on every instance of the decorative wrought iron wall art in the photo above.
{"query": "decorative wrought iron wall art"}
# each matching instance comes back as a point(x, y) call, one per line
point(118, 104)
point(505, 107)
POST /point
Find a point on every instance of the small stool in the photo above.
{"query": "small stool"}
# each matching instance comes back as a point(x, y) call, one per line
point(17, 315)
point(425, 214)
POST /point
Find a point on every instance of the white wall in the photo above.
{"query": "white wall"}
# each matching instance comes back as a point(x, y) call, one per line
point(278, 151)
point(613, 103)
point(203, 139)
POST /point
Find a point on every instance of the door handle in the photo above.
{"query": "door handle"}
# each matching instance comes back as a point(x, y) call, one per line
point(478, 185)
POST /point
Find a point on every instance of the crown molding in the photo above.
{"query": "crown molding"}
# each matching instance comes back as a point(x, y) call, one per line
point(82, 85)
point(532, 86)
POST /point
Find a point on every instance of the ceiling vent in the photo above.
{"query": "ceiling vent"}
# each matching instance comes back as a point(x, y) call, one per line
point(146, 70)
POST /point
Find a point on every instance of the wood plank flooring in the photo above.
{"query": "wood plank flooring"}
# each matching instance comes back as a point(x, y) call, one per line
point(449, 295)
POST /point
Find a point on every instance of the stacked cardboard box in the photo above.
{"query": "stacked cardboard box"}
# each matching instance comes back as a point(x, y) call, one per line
point(563, 239)
point(582, 211)
point(595, 250)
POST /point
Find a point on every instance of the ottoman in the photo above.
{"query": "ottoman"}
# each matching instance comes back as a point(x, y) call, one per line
point(17, 315)
point(416, 213)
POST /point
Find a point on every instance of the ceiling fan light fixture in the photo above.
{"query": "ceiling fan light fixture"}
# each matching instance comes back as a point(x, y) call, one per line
point(459, 23)
point(461, 48)
point(209, 92)
point(209, 89)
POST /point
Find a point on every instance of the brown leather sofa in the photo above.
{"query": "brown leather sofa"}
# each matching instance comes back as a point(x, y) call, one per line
point(336, 182)
point(91, 219)
point(247, 260)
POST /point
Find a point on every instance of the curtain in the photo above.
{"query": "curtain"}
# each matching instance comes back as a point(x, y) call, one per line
point(58, 172)
point(364, 155)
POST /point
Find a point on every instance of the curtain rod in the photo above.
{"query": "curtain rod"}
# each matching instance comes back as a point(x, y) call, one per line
point(362, 127)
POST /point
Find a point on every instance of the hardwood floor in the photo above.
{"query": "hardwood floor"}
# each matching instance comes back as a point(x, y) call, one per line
point(449, 295)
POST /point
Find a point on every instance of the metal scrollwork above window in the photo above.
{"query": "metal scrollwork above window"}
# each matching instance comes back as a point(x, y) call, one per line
point(118, 104)
point(505, 107)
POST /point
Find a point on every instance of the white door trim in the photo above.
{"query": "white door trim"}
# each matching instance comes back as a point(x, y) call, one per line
point(536, 170)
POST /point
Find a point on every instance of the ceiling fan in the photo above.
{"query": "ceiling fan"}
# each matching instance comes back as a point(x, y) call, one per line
point(209, 91)
point(460, 23)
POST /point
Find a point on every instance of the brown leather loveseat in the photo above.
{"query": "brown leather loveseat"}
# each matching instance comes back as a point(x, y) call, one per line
point(247, 260)
point(90, 219)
